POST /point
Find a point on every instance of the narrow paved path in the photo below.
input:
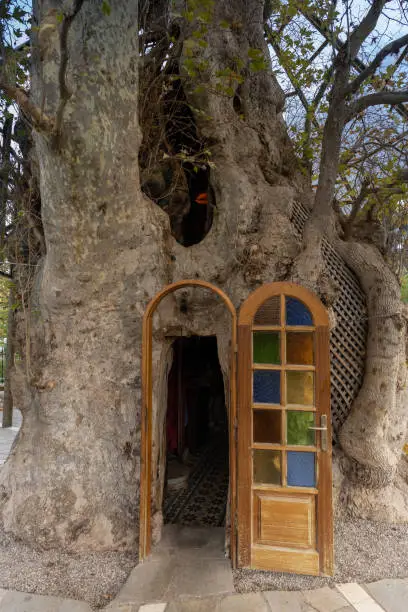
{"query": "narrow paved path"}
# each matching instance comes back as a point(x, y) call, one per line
point(188, 572)
point(188, 561)
point(382, 596)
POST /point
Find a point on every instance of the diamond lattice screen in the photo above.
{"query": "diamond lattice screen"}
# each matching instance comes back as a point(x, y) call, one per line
point(348, 338)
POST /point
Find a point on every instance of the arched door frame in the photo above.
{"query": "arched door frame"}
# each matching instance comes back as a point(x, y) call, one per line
point(147, 412)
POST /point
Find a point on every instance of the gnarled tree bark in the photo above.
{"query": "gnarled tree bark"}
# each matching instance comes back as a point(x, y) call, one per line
point(72, 479)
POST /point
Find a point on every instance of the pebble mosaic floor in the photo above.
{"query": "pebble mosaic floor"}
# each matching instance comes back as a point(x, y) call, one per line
point(203, 502)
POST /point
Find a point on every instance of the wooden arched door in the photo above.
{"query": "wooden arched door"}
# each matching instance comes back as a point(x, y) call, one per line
point(284, 438)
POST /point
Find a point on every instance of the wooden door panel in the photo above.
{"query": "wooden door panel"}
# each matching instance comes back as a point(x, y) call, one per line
point(284, 520)
point(284, 560)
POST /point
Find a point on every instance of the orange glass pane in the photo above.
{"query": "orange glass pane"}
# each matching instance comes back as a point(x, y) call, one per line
point(267, 426)
point(300, 388)
point(299, 348)
point(267, 467)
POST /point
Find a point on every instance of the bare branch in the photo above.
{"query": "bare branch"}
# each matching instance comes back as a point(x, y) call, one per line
point(323, 86)
point(382, 97)
point(356, 205)
point(41, 122)
point(392, 47)
point(291, 76)
point(364, 29)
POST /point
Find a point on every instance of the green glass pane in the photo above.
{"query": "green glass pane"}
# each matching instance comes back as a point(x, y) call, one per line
point(300, 388)
point(267, 426)
point(298, 431)
point(266, 347)
point(267, 467)
point(299, 348)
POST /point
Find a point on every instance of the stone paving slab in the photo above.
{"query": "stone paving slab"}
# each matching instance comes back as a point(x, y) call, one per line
point(13, 601)
point(247, 602)
point(353, 592)
point(193, 541)
point(325, 600)
point(123, 607)
point(193, 604)
point(201, 578)
point(392, 595)
point(286, 601)
point(147, 583)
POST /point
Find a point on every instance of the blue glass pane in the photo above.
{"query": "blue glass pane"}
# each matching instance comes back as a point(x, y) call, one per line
point(301, 469)
point(266, 387)
point(297, 313)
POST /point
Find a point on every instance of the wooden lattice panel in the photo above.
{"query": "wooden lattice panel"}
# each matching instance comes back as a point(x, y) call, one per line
point(348, 338)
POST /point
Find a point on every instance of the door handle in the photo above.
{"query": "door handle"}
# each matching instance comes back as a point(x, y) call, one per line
point(323, 430)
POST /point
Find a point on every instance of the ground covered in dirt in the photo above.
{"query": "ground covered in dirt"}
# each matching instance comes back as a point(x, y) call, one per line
point(364, 552)
point(92, 577)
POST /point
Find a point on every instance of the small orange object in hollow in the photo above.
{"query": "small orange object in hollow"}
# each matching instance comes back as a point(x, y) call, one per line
point(202, 198)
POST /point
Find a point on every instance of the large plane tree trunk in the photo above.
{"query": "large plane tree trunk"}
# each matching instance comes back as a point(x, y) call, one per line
point(72, 479)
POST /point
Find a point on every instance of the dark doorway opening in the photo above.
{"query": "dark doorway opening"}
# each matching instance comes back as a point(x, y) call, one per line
point(197, 466)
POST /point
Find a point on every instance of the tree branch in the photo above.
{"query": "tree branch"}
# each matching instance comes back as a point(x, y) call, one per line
point(323, 86)
point(65, 93)
point(382, 97)
point(392, 47)
point(366, 26)
point(356, 205)
point(41, 122)
point(297, 90)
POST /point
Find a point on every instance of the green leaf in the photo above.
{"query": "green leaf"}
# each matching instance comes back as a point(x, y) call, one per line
point(106, 9)
point(254, 54)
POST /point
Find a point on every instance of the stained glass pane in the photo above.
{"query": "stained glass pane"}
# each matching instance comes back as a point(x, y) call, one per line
point(267, 426)
point(300, 388)
point(298, 431)
point(301, 469)
point(299, 348)
point(269, 312)
point(266, 347)
point(266, 387)
point(297, 313)
point(267, 467)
